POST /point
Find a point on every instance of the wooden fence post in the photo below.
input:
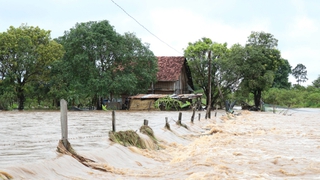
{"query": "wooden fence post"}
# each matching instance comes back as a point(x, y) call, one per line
point(179, 119)
point(64, 122)
point(199, 116)
point(145, 122)
point(167, 126)
point(193, 112)
point(113, 121)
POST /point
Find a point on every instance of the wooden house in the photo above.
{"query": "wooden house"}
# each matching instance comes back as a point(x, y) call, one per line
point(173, 77)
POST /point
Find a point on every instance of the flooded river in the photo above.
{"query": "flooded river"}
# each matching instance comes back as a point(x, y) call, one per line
point(252, 145)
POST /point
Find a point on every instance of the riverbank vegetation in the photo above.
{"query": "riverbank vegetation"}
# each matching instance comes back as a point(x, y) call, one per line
point(92, 61)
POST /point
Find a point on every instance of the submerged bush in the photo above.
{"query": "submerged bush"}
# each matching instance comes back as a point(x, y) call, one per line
point(169, 103)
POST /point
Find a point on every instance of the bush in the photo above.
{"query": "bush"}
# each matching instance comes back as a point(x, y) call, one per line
point(168, 103)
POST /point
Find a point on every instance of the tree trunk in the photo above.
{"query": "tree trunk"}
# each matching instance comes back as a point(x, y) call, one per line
point(21, 98)
point(56, 103)
point(99, 103)
point(257, 97)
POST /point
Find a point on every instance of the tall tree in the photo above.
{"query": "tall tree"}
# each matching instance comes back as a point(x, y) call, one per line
point(260, 64)
point(199, 56)
point(102, 62)
point(300, 73)
point(230, 65)
point(26, 54)
point(224, 71)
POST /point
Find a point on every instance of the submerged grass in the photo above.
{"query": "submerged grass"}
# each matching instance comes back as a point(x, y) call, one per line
point(132, 138)
point(149, 132)
point(127, 138)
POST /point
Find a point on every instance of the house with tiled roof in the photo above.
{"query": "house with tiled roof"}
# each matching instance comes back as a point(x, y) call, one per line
point(173, 77)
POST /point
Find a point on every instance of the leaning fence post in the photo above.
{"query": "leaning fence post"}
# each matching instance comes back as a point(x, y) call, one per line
point(193, 112)
point(113, 121)
point(179, 119)
point(64, 122)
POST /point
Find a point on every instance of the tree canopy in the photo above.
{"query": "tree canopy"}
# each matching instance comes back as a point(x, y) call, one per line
point(281, 79)
point(200, 55)
point(300, 73)
point(224, 73)
point(26, 55)
point(252, 68)
point(92, 61)
point(260, 64)
point(100, 62)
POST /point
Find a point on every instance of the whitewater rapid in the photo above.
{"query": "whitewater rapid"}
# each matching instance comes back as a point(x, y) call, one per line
point(253, 145)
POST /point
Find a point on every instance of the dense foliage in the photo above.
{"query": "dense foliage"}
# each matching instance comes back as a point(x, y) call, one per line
point(26, 55)
point(92, 61)
point(88, 62)
point(298, 96)
point(99, 62)
point(260, 64)
point(206, 54)
point(245, 73)
point(168, 103)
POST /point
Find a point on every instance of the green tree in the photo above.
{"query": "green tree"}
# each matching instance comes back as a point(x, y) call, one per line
point(272, 96)
point(225, 74)
point(197, 55)
point(7, 95)
point(281, 79)
point(101, 62)
point(313, 100)
point(203, 55)
point(316, 83)
point(231, 67)
point(300, 73)
point(26, 54)
point(260, 63)
point(135, 68)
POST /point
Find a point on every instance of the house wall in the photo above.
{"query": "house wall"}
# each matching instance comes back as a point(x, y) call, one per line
point(138, 104)
point(169, 87)
point(164, 87)
point(172, 87)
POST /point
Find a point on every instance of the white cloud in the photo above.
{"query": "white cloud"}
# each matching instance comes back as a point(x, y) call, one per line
point(178, 27)
point(303, 26)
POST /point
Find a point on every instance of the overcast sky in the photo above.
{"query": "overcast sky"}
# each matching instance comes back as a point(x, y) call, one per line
point(295, 23)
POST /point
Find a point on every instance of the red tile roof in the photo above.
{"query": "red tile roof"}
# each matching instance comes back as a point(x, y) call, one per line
point(170, 67)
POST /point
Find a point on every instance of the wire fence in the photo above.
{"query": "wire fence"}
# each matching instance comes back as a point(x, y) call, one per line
point(10, 143)
point(30, 142)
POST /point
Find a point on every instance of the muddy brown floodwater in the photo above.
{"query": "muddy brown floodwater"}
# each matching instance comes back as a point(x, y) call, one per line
point(253, 145)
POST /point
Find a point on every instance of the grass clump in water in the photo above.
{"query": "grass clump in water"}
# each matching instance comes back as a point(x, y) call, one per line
point(127, 138)
point(149, 132)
